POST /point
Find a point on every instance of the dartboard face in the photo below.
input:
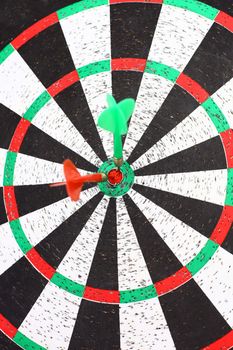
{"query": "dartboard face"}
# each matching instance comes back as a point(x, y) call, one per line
point(147, 264)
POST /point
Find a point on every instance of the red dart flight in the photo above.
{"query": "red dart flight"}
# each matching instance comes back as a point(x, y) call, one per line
point(74, 181)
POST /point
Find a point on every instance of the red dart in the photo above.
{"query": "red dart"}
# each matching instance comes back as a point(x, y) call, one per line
point(74, 181)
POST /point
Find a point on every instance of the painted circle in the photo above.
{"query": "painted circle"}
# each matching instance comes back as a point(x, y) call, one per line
point(115, 177)
point(120, 188)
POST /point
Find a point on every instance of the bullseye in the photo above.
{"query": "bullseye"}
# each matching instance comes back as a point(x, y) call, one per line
point(115, 177)
point(119, 180)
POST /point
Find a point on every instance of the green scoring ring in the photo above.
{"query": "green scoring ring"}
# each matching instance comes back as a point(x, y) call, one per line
point(123, 187)
point(20, 338)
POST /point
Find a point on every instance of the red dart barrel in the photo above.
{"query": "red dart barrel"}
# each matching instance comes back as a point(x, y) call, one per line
point(92, 178)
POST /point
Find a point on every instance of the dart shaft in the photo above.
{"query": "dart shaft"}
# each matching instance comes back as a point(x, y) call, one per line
point(117, 145)
point(92, 178)
point(99, 177)
point(57, 184)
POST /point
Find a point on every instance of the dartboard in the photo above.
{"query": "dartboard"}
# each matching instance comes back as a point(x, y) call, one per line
point(145, 264)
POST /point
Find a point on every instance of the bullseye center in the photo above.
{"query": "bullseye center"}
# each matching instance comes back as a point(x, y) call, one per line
point(119, 180)
point(115, 177)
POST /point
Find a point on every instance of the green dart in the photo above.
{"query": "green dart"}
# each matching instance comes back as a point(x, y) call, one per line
point(114, 119)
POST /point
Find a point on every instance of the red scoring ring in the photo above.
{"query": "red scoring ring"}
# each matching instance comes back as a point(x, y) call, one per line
point(224, 221)
point(115, 177)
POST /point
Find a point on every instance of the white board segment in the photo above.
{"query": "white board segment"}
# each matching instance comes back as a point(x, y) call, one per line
point(96, 88)
point(178, 34)
point(9, 249)
point(152, 93)
point(19, 86)
point(77, 262)
point(34, 171)
point(40, 223)
point(209, 186)
point(143, 326)
point(216, 281)
point(132, 269)
point(87, 34)
point(224, 100)
point(3, 153)
point(53, 121)
point(52, 318)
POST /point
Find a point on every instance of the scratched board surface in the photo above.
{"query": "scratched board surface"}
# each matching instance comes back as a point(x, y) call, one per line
point(148, 270)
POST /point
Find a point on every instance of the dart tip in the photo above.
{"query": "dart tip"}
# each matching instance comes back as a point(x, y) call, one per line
point(57, 184)
point(104, 177)
point(118, 161)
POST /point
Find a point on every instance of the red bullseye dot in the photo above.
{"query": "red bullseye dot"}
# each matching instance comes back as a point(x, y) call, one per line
point(115, 177)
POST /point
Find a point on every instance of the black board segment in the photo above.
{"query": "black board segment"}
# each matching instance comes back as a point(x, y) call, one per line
point(160, 260)
point(16, 16)
point(40, 145)
point(212, 64)
point(73, 102)
point(125, 84)
point(208, 155)
point(8, 121)
point(97, 327)
point(191, 317)
point(104, 272)
point(225, 6)
point(177, 106)
point(3, 217)
point(48, 56)
point(20, 287)
point(228, 242)
point(128, 40)
point(33, 197)
point(55, 246)
point(7, 344)
point(127, 37)
point(201, 216)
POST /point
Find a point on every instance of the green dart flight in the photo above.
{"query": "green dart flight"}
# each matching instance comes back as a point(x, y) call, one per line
point(115, 119)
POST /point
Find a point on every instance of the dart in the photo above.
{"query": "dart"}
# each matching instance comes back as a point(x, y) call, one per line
point(74, 181)
point(114, 119)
